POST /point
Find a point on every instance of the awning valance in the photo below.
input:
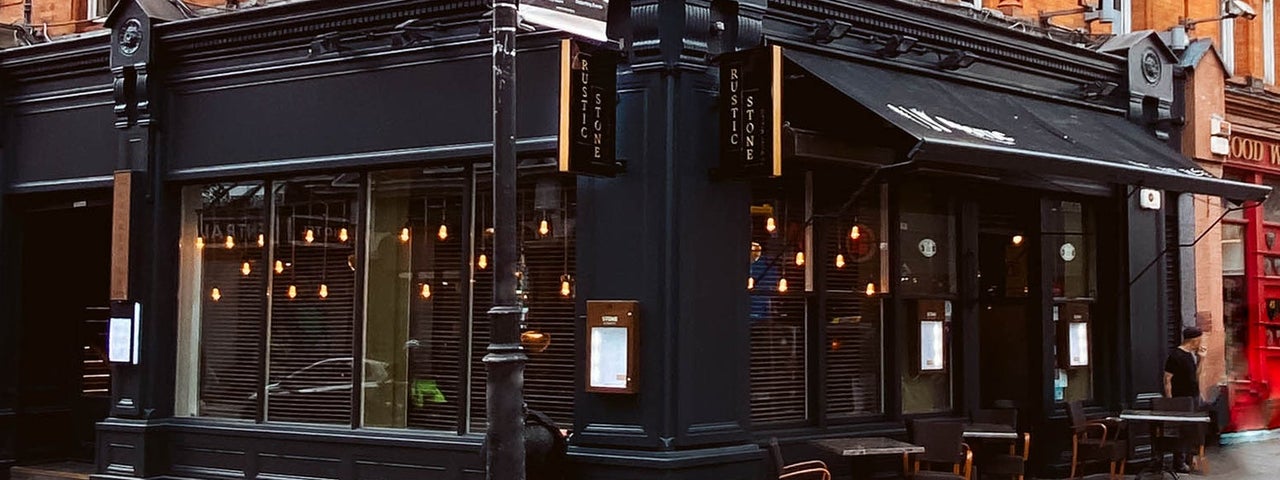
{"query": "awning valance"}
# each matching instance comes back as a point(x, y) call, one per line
point(962, 124)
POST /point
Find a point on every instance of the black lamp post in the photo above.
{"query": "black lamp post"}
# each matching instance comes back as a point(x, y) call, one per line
point(505, 457)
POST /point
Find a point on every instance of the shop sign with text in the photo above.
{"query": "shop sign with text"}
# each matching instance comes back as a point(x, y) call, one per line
point(588, 104)
point(751, 113)
point(1254, 152)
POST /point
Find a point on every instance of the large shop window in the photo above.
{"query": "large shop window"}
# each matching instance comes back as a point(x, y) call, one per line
point(378, 294)
point(926, 280)
point(1070, 234)
point(815, 273)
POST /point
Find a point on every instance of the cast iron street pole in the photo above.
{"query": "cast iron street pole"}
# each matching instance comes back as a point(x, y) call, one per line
point(505, 360)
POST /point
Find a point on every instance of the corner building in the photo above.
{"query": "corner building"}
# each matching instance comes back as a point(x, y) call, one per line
point(292, 205)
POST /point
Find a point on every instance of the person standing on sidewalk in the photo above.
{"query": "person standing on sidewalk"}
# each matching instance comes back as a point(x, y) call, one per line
point(1182, 376)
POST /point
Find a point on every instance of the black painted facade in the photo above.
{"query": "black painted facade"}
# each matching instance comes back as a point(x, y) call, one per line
point(251, 94)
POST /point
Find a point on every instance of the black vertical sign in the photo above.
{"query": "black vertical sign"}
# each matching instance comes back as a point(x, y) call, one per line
point(588, 103)
point(751, 113)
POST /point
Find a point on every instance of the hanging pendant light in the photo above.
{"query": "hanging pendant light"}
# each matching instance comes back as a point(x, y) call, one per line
point(782, 285)
point(310, 236)
point(855, 233)
point(324, 291)
point(483, 262)
point(565, 287)
point(426, 290)
point(443, 233)
point(404, 234)
point(770, 225)
point(231, 242)
point(342, 235)
point(216, 294)
point(200, 242)
point(751, 283)
point(1017, 240)
point(246, 269)
point(871, 288)
point(262, 240)
point(839, 260)
point(544, 228)
point(293, 291)
point(279, 266)
point(800, 259)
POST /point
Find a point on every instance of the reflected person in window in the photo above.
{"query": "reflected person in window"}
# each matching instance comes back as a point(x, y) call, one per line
point(764, 273)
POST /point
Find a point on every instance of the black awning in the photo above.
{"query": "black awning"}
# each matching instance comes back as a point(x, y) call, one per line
point(961, 124)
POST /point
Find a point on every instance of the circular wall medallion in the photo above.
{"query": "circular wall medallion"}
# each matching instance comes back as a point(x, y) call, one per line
point(1067, 252)
point(1151, 66)
point(130, 36)
point(928, 247)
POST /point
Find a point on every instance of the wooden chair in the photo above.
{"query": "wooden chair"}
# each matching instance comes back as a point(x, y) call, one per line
point(943, 444)
point(809, 470)
point(1173, 437)
point(1010, 464)
point(1096, 440)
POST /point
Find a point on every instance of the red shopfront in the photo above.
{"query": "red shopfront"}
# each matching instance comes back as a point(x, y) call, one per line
point(1251, 286)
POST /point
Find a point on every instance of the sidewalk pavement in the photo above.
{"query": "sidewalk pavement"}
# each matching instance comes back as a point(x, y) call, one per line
point(1244, 461)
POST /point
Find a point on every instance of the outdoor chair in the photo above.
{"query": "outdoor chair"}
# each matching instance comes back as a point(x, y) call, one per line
point(1187, 439)
point(1011, 464)
point(944, 445)
point(1097, 440)
point(809, 470)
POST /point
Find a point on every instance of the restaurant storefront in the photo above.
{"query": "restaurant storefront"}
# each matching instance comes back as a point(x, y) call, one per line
point(1251, 263)
point(928, 213)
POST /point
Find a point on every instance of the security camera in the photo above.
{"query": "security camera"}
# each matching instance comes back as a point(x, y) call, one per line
point(1238, 8)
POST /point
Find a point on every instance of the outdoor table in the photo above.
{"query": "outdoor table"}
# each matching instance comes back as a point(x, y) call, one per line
point(1154, 418)
point(856, 448)
point(993, 431)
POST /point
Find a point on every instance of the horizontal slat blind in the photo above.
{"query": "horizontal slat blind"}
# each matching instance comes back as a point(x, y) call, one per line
point(437, 318)
point(549, 374)
point(311, 352)
point(778, 327)
point(852, 321)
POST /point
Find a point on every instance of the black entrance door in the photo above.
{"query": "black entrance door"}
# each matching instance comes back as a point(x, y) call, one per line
point(1007, 323)
point(64, 383)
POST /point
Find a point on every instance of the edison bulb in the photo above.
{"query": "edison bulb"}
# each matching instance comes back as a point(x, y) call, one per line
point(199, 242)
point(293, 291)
point(231, 242)
point(770, 225)
point(324, 291)
point(1017, 239)
point(544, 228)
point(800, 259)
point(483, 262)
point(854, 233)
point(310, 236)
point(342, 235)
point(246, 268)
point(443, 233)
point(839, 260)
point(279, 266)
point(426, 290)
point(216, 294)
point(564, 288)
point(782, 285)
point(262, 240)
point(751, 283)
point(404, 234)
point(871, 288)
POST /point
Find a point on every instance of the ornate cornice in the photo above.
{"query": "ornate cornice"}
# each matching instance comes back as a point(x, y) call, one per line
point(65, 58)
point(991, 42)
point(1252, 107)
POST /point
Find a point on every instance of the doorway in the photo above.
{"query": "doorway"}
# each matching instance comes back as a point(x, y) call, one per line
point(64, 383)
point(1008, 324)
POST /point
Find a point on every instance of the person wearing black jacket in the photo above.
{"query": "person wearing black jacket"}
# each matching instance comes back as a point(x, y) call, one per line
point(1182, 376)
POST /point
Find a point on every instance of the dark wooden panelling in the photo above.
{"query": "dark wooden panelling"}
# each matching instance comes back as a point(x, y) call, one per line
point(350, 107)
point(59, 141)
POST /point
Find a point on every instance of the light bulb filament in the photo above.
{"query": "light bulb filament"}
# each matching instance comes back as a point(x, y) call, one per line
point(839, 260)
point(342, 235)
point(426, 290)
point(800, 259)
point(544, 228)
point(279, 266)
point(216, 294)
point(231, 242)
point(324, 291)
point(262, 240)
point(443, 233)
point(770, 225)
point(483, 262)
point(310, 236)
point(246, 268)
point(404, 234)
point(199, 242)
point(855, 233)
point(782, 285)
point(293, 291)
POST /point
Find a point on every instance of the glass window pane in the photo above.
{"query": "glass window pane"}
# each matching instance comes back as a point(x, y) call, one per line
point(224, 295)
point(777, 302)
point(926, 242)
point(923, 390)
point(1235, 320)
point(1232, 249)
point(1071, 236)
point(546, 214)
point(414, 316)
point(311, 364)
point(1271, 206)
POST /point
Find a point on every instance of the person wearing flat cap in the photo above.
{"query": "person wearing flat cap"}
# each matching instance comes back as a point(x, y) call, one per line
point(1181, 369)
